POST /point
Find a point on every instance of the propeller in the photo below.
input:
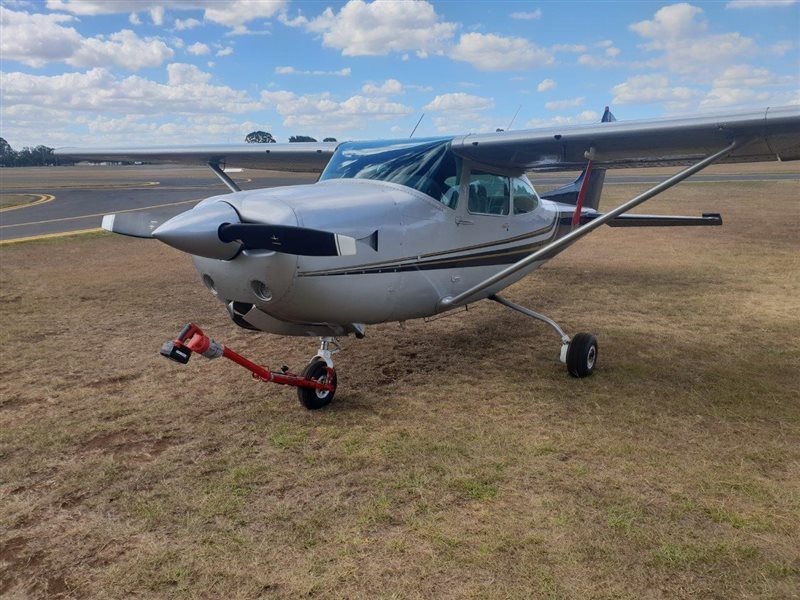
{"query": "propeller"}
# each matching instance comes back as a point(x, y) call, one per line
point(134, 224)
point(197, 231)
point(288, 239)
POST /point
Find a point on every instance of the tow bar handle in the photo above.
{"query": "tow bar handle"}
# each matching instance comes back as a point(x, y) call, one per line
point(192, 339)
point(178, 353)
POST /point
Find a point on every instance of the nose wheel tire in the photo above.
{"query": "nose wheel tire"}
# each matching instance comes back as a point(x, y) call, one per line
point(582, 355)
point(311, 398)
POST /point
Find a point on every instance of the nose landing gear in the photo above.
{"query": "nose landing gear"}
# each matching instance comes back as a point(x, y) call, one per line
point(315, 387)
point(578, 353)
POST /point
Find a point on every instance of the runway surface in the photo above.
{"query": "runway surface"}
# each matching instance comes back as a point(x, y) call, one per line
point(75, 199)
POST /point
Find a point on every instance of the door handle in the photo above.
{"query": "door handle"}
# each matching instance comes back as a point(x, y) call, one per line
point(460, 221)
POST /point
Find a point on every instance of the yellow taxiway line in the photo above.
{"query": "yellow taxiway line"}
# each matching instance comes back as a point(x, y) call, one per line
point(47, 236)
point(40, 199)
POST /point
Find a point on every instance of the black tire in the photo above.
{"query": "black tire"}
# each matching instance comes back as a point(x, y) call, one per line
point(311, 398)
point(582, 355)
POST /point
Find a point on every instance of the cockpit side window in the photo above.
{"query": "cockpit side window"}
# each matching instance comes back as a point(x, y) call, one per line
point(427, 166)
point(525, 198)
point(488, 194)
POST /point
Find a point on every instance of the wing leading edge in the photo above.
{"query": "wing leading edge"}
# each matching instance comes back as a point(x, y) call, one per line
point(763, 135)
point(298, 157)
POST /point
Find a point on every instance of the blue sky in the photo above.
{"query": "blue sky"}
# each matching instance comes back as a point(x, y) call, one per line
point(138, 72)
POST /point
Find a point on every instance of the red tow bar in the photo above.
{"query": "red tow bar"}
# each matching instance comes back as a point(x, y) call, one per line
point(192, 339)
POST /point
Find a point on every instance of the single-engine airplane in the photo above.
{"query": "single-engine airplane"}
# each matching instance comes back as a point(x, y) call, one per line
point(405, 229)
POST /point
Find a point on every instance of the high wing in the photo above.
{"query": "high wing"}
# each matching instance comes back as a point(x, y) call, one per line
point(309, 157)
point(763, 135)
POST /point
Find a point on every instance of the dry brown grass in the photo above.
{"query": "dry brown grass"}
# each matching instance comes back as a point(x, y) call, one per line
point(458, 460)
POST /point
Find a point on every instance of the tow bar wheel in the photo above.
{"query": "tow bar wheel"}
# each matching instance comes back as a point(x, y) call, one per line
point(582, 355)
point(311, 398)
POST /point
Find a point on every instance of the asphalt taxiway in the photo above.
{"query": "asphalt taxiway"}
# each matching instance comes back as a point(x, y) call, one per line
point(67, 205)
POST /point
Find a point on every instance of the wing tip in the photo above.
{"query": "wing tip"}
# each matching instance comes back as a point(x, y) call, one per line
point(108, 223)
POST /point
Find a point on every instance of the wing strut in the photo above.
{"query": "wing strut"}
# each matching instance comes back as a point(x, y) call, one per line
point(224, 177)
point(558, 245)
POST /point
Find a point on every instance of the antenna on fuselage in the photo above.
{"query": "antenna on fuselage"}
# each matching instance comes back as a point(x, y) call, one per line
point(514, 117)
point(417, 125)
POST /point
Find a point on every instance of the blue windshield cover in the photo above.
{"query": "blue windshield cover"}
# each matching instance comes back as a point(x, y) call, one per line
point(425, 165)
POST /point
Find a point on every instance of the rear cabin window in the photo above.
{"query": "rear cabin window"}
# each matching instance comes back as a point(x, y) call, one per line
point(525, 198)
point(488, 194)
point(427, 166)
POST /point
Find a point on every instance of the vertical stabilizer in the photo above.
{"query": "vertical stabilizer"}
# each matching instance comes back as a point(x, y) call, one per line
point(568, 194)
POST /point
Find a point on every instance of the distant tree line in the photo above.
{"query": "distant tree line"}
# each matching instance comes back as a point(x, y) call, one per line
point(29, 156)
point(42, 156)
point(264, 137)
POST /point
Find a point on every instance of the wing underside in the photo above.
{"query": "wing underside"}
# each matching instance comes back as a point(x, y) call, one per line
point(763, 135)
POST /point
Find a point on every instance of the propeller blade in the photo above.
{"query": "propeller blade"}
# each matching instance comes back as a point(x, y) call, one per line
point(134, 224)
point(288, 240)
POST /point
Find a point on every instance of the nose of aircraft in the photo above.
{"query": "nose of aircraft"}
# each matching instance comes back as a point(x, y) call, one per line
point(196, 231)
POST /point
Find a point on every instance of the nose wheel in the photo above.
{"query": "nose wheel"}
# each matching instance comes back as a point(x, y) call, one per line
point(315, 398)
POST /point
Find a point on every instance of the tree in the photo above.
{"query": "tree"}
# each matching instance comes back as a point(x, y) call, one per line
point(301, 138)
point(8, 157)
point(259, 137)
point(498, 130)
point(329, 140)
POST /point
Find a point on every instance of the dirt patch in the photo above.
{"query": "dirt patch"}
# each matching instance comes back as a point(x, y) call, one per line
point(127, 444)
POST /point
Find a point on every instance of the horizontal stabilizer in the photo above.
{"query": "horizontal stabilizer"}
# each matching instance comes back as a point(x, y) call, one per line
point(288, 239)
point(633, 220)
point(134, 224)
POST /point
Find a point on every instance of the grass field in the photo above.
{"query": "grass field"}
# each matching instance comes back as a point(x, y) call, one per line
point(458, 460)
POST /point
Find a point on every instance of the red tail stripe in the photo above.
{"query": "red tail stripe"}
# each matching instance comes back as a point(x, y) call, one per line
point(576, 216)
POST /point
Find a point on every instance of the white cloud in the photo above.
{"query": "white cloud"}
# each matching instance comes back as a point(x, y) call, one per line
point(527, 16)
point(157, 15)
point(232, 13)
point(322, 111)
point(645, 89)
point(759, 3)
point(226, 51)
point(390, 87)
point(36, 39)
point(545, 84)
point(187, 90)
point(561, 104)
point(490, 52)
point(378, 28)
point(586, 116)
point(569, 48)
point(184, 24)
point(459, 102)
point(345, 72)
point(743, 85)
point(686, 46)
point(198, 49)
point(134, 19)
point(595, 61)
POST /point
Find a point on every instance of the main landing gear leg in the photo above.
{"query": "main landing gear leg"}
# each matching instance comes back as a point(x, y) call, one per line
point(578, 353)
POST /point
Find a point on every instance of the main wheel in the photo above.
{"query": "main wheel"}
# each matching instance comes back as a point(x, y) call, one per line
point(582, 355)
point(311, 398)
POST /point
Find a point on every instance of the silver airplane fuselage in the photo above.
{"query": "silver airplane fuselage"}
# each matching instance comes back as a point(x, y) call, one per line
point(425, 251)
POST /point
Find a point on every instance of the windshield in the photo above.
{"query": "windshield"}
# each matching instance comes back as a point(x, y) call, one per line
point(428, 166)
